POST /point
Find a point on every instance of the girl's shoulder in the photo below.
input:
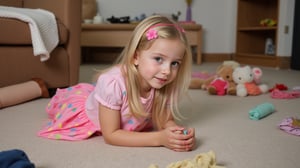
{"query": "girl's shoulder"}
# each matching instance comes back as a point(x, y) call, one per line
point(113, 76)
point(113, 72)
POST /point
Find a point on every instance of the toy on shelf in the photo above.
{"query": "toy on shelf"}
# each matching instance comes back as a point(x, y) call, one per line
point(176, 16)
point(140, 17)
point(268, 22)
point(123, 19)
point(248, 81)
point(188, 10)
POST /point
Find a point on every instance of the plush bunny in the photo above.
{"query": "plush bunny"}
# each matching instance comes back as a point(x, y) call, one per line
point(248, 81)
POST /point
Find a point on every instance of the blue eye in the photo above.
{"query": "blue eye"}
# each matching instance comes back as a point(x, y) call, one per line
point(175, 64)
point(158, 59)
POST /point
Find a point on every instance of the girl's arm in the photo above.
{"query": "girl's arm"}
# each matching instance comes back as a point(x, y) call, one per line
point(110, 122)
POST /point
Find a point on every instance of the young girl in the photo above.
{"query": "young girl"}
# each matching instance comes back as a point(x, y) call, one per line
point(137, 94)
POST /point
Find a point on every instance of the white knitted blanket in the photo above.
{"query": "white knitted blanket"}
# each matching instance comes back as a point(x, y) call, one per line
point(43, 28)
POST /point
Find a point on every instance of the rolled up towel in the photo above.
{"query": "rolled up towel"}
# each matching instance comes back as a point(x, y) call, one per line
point(261, 111)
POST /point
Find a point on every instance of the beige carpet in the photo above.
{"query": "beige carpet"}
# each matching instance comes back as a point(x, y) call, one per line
point(222, 125)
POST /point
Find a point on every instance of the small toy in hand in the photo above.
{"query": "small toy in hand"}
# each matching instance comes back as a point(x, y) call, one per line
point(185, 132)
point(268, 22)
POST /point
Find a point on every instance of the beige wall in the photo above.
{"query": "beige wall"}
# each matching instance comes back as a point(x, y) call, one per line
point(217, 17)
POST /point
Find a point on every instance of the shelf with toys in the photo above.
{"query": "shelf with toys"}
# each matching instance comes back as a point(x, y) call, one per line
point(256, 33)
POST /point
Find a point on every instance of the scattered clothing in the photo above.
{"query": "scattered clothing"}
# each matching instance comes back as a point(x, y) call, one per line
point(278, 94)
point(279, 87)
point(296, 88)
point(290, 125)
point(261, 111)
point(203, 160)
point(15, 159)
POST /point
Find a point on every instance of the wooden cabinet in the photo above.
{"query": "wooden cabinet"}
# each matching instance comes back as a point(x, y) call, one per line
point(251, 36)
point(117, 35)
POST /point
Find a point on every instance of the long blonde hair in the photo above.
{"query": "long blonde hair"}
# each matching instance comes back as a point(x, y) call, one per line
point(168, 96)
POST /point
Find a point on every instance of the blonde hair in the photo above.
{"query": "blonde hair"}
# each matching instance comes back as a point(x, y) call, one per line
point(168, 96)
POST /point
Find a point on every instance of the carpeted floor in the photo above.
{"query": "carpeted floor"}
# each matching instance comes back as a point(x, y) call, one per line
point(222, 125)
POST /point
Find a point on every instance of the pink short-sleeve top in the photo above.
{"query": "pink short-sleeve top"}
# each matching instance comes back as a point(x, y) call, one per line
point(110, 91)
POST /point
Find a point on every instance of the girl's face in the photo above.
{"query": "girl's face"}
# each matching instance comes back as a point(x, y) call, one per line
point(159, 65)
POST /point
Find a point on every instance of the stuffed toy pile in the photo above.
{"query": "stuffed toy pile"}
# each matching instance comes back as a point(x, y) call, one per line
point(219, 84)
point(232, 79)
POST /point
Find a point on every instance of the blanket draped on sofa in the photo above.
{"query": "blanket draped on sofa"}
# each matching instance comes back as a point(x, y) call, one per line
point(43, 28)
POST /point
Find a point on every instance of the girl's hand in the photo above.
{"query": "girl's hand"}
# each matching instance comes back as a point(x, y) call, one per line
point(174, 139)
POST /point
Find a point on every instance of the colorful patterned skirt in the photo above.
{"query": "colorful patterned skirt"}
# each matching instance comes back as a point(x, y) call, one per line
point(66, 111)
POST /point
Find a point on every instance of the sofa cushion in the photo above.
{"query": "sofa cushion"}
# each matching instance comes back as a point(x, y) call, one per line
point(14, 31)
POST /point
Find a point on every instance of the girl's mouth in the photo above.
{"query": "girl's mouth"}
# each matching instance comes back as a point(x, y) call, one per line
point(161, 80)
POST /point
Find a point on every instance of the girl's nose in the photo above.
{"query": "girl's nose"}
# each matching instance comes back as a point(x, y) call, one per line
point(166, 69)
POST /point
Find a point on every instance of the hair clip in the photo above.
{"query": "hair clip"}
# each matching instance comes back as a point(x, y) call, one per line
point(152, 34)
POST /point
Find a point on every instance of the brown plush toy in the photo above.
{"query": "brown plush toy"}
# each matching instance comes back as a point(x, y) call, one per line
point(220, 84)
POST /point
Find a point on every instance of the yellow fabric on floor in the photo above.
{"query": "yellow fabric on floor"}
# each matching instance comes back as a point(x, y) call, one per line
point(203, 160)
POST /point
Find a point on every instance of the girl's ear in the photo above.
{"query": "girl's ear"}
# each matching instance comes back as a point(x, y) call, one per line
point(136, 58)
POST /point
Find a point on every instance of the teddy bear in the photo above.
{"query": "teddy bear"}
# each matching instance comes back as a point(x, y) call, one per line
point(248, 81)
point(219, 84)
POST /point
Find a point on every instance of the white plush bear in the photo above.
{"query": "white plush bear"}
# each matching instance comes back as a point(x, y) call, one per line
point(248, 81)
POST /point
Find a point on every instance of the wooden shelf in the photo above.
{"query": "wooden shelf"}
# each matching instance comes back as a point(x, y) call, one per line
point(260, 56)
point(251, 36)
point(258, 28)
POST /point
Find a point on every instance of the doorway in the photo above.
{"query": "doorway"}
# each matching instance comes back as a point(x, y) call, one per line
point(295, 60)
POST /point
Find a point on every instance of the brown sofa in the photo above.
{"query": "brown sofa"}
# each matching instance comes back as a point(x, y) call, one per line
point(17, 62)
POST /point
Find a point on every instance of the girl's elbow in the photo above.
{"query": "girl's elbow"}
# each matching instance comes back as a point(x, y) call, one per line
point(108, 140)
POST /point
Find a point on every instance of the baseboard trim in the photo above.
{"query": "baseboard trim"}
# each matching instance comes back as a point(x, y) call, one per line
point(216, 57)
point(282, 62)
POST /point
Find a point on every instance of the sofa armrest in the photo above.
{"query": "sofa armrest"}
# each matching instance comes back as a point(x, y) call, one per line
point(69, 13)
